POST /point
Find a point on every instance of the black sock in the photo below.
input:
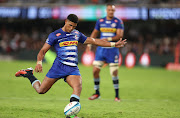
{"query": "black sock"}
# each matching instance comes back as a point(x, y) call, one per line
point(97, 92)
point(74, 99)
point(117, 92)
point(31, 78)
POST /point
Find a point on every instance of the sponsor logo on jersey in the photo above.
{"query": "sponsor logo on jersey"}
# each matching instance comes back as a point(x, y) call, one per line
point(116, 21)
point(58, 34)
point(68, 43)
point(101, 20)
point(113, 30)
point(76, 32)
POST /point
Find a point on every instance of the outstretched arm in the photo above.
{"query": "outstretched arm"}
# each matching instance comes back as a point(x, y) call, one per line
point(104, 43)
point(40, 57)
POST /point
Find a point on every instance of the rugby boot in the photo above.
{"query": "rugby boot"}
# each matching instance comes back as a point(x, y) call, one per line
point(117, 99)
point(24, 72)
point(94, 96)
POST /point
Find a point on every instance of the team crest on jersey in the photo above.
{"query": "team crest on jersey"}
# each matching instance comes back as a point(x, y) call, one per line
point(68, 43)
point(113, 25)
point(58, 34)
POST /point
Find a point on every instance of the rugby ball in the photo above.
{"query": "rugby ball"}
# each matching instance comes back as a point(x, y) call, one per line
point(72, 108)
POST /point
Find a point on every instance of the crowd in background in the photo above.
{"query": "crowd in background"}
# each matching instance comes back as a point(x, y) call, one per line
point(95, 1)
point(152, 37)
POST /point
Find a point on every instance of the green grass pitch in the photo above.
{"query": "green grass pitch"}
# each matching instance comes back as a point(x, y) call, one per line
point(145, 93)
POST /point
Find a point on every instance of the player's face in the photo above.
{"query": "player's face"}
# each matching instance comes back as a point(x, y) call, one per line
point(110, 11)
point(69, 26)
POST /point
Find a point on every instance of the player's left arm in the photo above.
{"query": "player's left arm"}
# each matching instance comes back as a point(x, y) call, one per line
point(119, 34)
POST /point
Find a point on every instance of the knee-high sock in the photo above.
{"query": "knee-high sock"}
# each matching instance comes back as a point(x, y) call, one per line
point(116, 85)
point(96, 85)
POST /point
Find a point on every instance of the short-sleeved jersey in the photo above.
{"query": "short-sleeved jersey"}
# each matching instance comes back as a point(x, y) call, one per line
point(65, 45)
point(108, 28)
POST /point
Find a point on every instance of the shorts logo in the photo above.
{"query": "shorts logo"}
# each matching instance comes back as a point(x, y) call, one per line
point(113, 30)
point(68, 43)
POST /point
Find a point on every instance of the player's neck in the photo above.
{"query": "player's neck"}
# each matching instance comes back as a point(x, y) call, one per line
point(63, 29)
point(109, 18)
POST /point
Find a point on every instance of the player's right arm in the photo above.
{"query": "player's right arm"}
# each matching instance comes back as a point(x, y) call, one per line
point(40, 57)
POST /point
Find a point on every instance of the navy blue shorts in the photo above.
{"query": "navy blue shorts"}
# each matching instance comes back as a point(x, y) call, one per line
point(109, 55)
point(59, 70)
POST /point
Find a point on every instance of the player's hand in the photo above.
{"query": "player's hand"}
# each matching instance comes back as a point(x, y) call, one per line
point(38, 68)
point(120, 43)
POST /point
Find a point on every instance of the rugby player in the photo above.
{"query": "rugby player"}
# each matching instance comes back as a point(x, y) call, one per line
point(65, 41)
point(110, 29)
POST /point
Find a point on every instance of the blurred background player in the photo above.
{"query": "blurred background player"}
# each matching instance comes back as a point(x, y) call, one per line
point(65, 41)
point(111, 29)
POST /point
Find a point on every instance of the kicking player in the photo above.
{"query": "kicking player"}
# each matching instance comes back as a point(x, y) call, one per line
point(111, 29)
point(65, 42)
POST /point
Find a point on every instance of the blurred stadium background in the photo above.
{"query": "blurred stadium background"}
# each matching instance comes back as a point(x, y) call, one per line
point(151, 26)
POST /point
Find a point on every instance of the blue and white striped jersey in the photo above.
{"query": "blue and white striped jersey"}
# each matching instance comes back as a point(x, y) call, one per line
point(65, 44)
point(108, 28)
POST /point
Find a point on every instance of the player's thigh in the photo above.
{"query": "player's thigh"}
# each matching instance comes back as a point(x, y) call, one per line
point(75, 81)
point(47, 83)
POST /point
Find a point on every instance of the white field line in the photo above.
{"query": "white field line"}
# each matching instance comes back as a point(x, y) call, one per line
point(64, 99)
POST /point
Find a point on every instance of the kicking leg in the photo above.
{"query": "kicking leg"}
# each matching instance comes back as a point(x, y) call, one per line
point(40, 88)
point(45, 86)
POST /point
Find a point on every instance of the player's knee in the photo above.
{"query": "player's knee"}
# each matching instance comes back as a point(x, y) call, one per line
point(41, 91)
point(98, 64)
point(113, 69)
point(96, 72)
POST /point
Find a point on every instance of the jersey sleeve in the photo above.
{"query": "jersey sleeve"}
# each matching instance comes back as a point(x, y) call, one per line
point(120, 25)
point(82, 38)
point(50, 40)
point(97, 26)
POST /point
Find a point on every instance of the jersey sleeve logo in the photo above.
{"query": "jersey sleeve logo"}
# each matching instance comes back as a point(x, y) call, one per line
point(68, 43)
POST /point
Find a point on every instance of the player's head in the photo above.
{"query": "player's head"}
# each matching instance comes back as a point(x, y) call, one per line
point(71, 22)
point(110, 9)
